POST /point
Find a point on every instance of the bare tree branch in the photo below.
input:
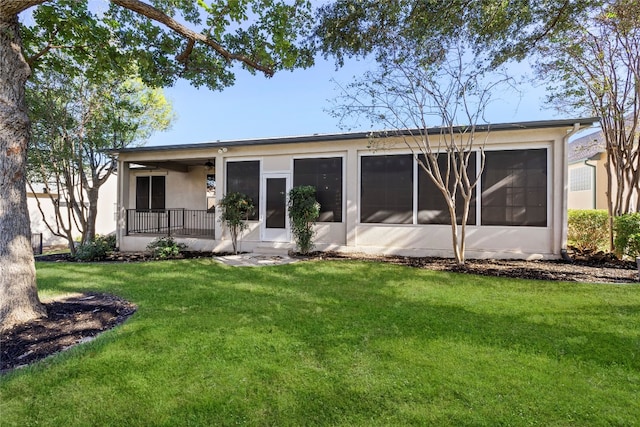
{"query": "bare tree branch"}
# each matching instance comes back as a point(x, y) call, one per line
point(411, 99)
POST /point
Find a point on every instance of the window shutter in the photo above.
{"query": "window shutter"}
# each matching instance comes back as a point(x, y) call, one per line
point(142, 193)
point(157, 192)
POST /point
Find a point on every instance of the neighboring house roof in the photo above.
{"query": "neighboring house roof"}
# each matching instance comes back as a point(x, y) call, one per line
point(586, 147)
point(541, 124)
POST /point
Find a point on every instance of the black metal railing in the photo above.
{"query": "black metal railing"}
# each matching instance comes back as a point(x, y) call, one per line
point(36, 243)
point(171, 222)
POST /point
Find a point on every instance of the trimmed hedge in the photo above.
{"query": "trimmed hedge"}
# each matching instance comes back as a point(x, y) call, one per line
point(588, 229)
point(627, 234)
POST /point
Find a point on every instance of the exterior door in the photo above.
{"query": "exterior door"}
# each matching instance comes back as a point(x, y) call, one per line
point(274, 216)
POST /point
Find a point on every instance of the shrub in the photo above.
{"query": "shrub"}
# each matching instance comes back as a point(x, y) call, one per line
point(165, 248)
point(96, 250)
point(633, 245)
point(304, 210)
point(627, 234)
point(235, 210)
point(109, 240)
point(588, 229)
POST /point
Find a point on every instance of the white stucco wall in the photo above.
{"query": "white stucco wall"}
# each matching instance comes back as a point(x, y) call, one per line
point(105, 221)
point(187, 190)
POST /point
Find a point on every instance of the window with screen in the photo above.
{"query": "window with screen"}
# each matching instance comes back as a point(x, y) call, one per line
point(432, 207)
point(150, 193)
point(325, 174)
point(514, 188)
point(244, 177)
point(386, 189)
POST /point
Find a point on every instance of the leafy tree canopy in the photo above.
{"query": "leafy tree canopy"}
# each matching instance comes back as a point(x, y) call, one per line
point(74, 121)
point(170, 39)
point(116, 112)
point(595, 69)
point(505, 29)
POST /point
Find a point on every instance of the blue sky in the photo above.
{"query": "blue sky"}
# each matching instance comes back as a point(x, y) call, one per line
point(295, 103)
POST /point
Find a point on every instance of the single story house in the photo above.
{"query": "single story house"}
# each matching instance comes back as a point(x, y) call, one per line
point(42, 212)
point(587, 160)
point(373, 200)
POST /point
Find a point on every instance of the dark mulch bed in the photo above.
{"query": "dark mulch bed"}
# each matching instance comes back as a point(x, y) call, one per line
point(80, 318)
point(69, 321)
point(597, 268)
point(125, 256)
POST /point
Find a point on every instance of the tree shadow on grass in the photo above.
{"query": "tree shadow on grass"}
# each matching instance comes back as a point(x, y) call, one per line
point(377, 309)
point(363, 296)
point(203, 324)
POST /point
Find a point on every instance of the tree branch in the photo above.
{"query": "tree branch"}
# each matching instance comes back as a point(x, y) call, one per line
point(184, 56)
point(158, 16)
point(33, 59)
point(13, 7)
point(551, 25)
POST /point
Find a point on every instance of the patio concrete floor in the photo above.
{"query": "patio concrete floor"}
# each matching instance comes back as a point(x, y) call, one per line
point(254, 259)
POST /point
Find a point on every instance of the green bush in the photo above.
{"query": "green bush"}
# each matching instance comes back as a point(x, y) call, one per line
point(235, 210)
point(96, 250)
point(109, 240)
point(165, 248)
point(588, 229)
point(627, 234)
point(304, 210)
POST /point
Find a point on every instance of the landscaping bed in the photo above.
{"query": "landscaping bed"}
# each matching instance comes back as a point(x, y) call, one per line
point(69, 321)
point(584, 267)
point(594, 269)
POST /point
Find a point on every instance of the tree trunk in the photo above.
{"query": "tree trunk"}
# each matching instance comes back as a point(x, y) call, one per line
point(459, 256)
point(607, 166)
point(18, 291)
point(90, 230)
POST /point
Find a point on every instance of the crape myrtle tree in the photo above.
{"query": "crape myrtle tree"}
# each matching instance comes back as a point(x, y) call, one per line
point(423, 103)
point(595, 69)
point(165, 40)
point(74, 122)
point(411, 40)
point(586, 49)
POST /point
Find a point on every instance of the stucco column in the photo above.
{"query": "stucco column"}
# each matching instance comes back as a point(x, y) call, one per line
point(124, 180)
point(561, 226)
point(220, 172)
point(351, 196)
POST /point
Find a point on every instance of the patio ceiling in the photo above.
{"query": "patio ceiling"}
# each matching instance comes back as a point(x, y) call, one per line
point(180, 165)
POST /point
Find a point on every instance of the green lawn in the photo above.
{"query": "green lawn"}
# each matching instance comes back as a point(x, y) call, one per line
point(336, 343)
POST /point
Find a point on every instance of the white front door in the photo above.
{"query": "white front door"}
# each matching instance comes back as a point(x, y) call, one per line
point(273, 207)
